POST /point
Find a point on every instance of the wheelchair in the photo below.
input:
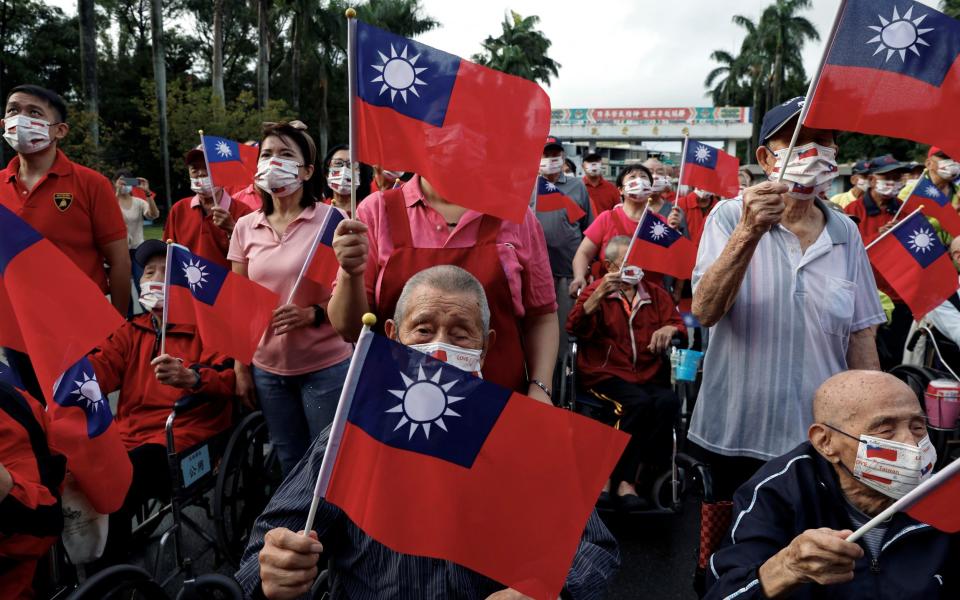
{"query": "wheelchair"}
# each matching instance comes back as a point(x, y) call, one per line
point(128, 582)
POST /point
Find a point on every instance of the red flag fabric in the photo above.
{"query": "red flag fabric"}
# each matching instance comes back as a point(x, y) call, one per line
point(659, 248)
point(550, 198)
point(230, 163)
point(230, 312)
point(938, 507)
point(432, 461)
point(935, 204)
point(423, 110)
point(879, 81)
point(36, 279)
point(323, 265)
point(914, 262)
point(711, 169)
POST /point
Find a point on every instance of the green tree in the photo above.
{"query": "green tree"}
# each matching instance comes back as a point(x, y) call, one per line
point(520, 50)
point(951, 7)
point(725, 81)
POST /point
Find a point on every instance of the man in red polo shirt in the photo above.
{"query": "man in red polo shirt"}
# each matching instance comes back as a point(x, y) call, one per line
point(204, 222)
point(696, 206)
point(603, 194)
point(72, 206)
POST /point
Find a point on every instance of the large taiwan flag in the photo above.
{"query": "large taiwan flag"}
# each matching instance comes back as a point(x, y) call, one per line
point(711, 169)
point(423, 110)
point(891, 69)
point(231, 164)
point(432, 461)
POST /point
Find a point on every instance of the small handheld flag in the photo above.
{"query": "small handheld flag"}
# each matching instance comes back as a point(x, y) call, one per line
point(550, 198)
point(230, 164)
point(711, 169)
point(935, 203)
point(659, 248)
point(320, 265)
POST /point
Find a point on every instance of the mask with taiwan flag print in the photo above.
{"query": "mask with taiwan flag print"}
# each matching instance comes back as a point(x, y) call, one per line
point(893, 468)
point(810, 171)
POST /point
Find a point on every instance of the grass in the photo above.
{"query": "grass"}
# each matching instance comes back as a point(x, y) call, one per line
point(152, 232)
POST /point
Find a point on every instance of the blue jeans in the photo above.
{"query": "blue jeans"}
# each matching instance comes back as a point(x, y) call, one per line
point(298, 407)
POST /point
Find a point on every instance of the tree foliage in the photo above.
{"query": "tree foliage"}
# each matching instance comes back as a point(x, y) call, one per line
point(520, 50)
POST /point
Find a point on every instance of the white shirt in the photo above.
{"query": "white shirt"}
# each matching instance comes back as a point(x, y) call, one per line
point(133, 217)
point(946, 318)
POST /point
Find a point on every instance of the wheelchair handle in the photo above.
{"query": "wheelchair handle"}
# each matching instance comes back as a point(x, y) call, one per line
point(914, 339)
point(188, 403)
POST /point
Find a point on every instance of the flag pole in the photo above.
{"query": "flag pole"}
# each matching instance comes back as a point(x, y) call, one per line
point(904, 203)
point(206, 163)
point(166, 297)
point(351, 15)
point(340, 418)
point(310, 254)
point(909, 500)
point(811, 89)
point(892, 229)
point(636, 232)
point(683, 162)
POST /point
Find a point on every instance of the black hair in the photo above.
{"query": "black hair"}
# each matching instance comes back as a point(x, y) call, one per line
point(633, 169)
point(296, 132)
point(49, 96)
point(121, 173)
point(365, 173)
point(592, 157)
point(571, 164)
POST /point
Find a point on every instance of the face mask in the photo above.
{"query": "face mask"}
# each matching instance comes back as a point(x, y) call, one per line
point(551, 166)
point(126, 189)
point(26, 135)
point(631, 275)
point(887, 188)
point(151, 295)
point(948, 169)
point(201, 185)
point(863, 185)
point(660, 183)
point(278, 176)
point(464, 359)
point(638, 188)
point(892, 468)
point(592, 168)
point(340, 180)
point(912, 182)
point(811, 170)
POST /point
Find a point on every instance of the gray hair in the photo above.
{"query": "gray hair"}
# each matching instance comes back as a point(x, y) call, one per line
point(449, 279)
point(614, 246)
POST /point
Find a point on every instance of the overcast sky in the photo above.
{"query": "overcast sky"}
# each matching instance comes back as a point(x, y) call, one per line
point(614, 53)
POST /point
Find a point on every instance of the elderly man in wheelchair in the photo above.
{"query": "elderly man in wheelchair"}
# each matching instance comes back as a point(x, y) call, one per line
point(151, 385)
point(623, 328)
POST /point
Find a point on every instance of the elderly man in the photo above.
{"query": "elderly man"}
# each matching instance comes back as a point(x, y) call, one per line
point(791, 521)
point(943, 171)
point(624, 328)
point(662, 184)
point(786, 286)
point(440, 305)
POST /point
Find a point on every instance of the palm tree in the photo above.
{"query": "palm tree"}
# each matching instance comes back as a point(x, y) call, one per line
point(784, 34)
point(86, 12)
point(520, 50)
point(216, 66)
point(263, 53)
point(726, 77)
point(160, 77)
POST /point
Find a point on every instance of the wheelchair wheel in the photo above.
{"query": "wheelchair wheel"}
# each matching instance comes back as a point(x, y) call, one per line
point(662, 493)
point(120, 582)
point(248, 476)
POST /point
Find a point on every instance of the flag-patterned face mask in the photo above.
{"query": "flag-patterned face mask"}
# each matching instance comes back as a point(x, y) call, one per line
point(591, 168)
point(948, 169)
point(26, 135)
point(638, 189)
point(278, 176)
point(811, 170)
point(551, 166)
point(892, 468)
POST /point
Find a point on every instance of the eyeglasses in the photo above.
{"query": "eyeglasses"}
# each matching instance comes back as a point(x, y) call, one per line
point(339, 163)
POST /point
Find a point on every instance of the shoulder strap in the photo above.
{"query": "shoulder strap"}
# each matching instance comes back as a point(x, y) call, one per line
point(397, 216)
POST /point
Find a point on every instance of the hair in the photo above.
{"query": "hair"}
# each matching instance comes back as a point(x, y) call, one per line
point(49, 96)
point(633, 169)
point(614, 245)
point(449, 279)
point(571, 164)
point(295, 131)
point(365, 175)
point(121, 173)
point(592, 157)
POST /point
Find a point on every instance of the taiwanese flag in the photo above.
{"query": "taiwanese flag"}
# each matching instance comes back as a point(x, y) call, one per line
point(935, 204)
point(711, 169)
point(432, 461)
point(874, 451)
point(81, 428)
point(891, 69)
point(659, 248)
point(550, 198)
point(321, 265)
point(231, 164)
point(914, 262)
point(35, 280)
point(935, 501)
point(423, 110)
point(230, 311)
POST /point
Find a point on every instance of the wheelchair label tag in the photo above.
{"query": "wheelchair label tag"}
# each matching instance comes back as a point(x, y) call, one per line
point(195, 465)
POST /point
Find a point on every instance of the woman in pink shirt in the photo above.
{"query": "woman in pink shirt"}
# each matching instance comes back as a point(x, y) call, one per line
point(299, 368)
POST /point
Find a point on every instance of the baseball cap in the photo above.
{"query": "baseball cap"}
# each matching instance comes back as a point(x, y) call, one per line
point(861, 167)
point(778, 116)
point(193, 154)
point(885, 164)
point(552, 142)
point(147, 250)
point(935, 150)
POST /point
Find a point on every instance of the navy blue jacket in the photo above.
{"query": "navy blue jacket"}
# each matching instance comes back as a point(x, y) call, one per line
point(800, 491)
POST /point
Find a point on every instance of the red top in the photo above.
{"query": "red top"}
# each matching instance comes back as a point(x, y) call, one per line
point(123, 363)
point(696, 216)
point(74, 207)
point(249, 195)
point(872, 218)
point(603, 196)
point(613, 339)
point(189, 224)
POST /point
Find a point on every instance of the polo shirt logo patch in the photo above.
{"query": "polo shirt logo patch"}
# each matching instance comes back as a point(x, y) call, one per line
point(63, 201)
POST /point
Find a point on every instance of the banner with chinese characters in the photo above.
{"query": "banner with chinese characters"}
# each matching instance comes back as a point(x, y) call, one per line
point(690, 115)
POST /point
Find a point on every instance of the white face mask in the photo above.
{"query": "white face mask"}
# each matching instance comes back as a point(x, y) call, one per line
point(26, 135)
point(863, 185)
point(592, 168)
point(887, 188)
point(948, 169)
point(661, 183)
point(340, 180)
point(551, 166)
point(201, 185)
point(464, 359)
point(631, 275)
point(811, 170)
point(151, 295)
point(892, 468)
point(638, 189)
point(278, 176)
point(126, 190)
point(912, 182)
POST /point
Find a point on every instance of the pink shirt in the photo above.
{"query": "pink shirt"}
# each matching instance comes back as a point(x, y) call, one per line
point(522, 248)
point(275, 261)
point(607, 226)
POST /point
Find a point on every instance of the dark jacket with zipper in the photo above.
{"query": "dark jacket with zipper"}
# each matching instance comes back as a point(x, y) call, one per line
point(800, 491)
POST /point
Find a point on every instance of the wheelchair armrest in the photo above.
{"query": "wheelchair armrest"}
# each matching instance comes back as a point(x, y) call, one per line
point(188, 403)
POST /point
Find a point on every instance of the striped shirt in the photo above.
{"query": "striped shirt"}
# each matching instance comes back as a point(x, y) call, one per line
point(786, 333)
point(363, 569)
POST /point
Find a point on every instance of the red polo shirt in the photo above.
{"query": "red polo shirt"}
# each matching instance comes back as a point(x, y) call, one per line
point(190, 225)
point(696, 216)
point(72, 206)
point(603, 196)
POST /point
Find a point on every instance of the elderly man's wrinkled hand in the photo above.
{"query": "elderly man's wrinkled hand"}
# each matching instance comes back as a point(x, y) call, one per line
point(288, 563)
point(763, 206)
point(170, 371)
point(508, 594)
point(222, 218)
point(821, 556)
point(609, 283)
point(351, 246)
point(661, 338)
point(673, 220)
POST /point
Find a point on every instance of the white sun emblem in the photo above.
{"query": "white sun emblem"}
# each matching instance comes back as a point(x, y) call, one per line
point(899, 34)
point(702, 154)
point(399, 73)
point(658, 231)
point(89, 390)
point(932, 191)
point(550, 187)
point(196, 274)
point(921, 240)
point(223, 149)
point(424, 403)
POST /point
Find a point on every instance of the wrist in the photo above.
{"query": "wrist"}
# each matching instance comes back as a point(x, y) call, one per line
point(776, 580)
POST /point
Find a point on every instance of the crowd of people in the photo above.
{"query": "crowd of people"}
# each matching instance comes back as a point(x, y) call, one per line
point(799, 327)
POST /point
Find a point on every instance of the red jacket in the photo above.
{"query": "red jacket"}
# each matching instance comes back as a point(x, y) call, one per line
point(613, 341)
point(123, 363)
